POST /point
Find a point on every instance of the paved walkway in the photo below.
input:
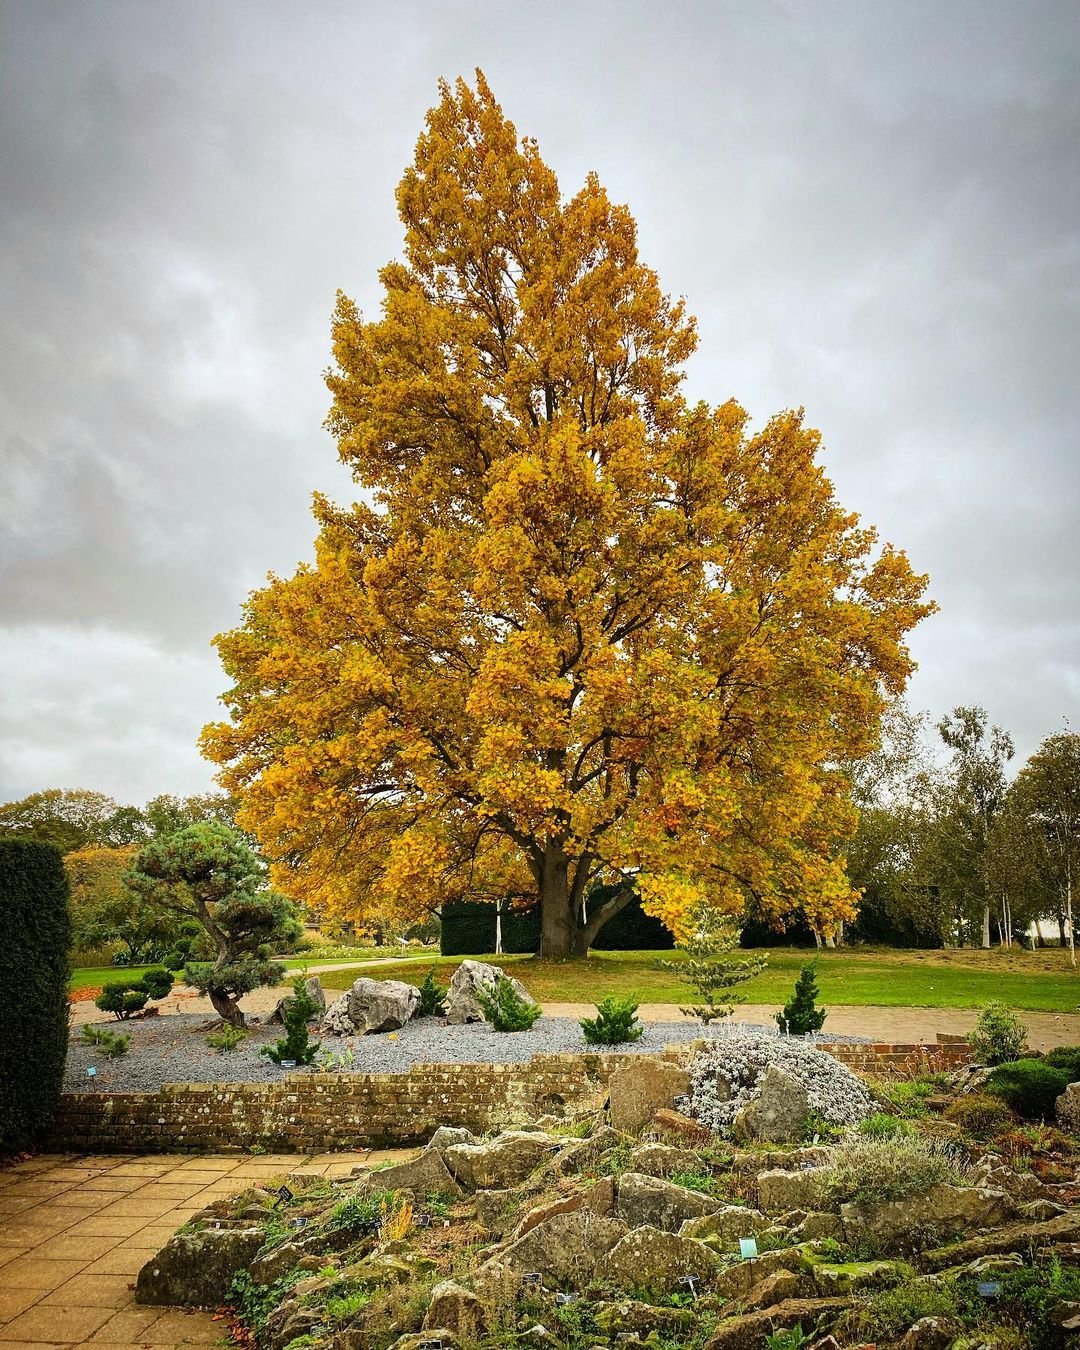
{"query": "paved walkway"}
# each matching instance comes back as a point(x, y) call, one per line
point(75, 1231)
point(902, 1025)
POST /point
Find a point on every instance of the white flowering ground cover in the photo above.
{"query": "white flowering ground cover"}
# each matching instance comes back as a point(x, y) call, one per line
point(737, 1061)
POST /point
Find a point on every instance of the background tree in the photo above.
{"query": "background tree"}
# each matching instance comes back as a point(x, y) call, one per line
point(105, 910)
point(206, 872)
point(968, 797)
point(67, 818)
point(576, 630)
point(1035, 844)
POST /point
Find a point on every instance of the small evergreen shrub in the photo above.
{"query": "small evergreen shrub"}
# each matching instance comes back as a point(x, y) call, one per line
point(868, 1171)
point(801, 1015)
point(122, 998)
point(1067, 1058)
point(157, 981)
point(125, 998)
point(432, 996)
point(112, 1044)
point(227, 1039)
point(504, 1007)
point(356, 1212)
point(615, 1023)
point(296, 1044)
point(980, 1115)
point(999, 1036)
point(34, 974)
point(1029, 1086)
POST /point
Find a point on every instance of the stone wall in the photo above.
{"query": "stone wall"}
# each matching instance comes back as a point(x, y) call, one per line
point(316, 1113)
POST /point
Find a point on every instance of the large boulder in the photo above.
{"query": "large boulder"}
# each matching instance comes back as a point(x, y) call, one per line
point(565, 1250)
point(586, 1155)
point(649, 1258)
point(780, 1191)
point(505, 1161)
point(461, 1002)
point(1067, 1109)
point(1017, 1237)
point(423, 1175)
point(315, 993)
point(372, 1005)
point(455, 1309)
point(663, 1160)
point(777, 1112)
point(638, 1090)
point(897, 1225)
point(662, 1204)
point(749, 1331)
point(724, 1227)
point(627, 1317)
point(195, 1269)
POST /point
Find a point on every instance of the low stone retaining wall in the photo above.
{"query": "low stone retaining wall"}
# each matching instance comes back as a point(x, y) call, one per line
point(319, 1113)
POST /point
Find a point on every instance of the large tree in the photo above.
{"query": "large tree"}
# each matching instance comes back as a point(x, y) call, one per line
point(1035, 844)
point(577, 629)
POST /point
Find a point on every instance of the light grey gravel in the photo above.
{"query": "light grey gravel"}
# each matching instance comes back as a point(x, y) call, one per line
point(173, 1049)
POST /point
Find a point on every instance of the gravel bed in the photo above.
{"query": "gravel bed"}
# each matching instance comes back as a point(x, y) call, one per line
point(173, 1049)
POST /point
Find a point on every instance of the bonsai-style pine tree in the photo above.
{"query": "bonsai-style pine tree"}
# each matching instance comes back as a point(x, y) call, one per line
point(576, 629)
point(708, 964)
point(207, 873)
point(801, 1014)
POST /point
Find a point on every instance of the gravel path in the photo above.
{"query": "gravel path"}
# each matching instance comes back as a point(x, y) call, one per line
point(173, 1049)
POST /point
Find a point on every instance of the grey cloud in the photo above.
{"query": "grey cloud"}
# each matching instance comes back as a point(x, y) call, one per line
point(873, 209)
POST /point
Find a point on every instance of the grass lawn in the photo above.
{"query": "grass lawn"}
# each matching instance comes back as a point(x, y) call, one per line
point(84, 977)
point(1040, 981)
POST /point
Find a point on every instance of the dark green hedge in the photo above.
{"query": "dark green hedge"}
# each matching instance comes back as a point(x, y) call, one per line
point(631, 930)
point(469, 929)
point(34, 972)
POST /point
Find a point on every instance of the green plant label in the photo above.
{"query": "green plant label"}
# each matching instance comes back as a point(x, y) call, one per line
point(748, 1248)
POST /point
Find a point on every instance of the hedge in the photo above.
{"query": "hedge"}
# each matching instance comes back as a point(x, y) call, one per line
point(469, 929)
point(34, 971)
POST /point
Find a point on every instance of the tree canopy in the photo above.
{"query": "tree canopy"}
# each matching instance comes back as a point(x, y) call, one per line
point(577, 629)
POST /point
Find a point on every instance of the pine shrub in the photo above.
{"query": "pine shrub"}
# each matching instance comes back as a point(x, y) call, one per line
point(432, 996)
point(125, 998)
point(296, 1045)
point(999, 1036)
point(1029, 1086)
point(1066, 1058)
point(979, 1115)
point(34, 972)
point(801, 1015)
point(615, 1023)
point(504, 1007)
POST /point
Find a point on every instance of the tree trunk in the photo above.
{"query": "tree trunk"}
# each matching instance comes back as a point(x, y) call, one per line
point(1068, 903)
point(986, 925)
point(228, 1009)
point(560, 935)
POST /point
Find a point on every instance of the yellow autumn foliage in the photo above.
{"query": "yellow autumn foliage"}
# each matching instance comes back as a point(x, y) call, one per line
point(576, 629)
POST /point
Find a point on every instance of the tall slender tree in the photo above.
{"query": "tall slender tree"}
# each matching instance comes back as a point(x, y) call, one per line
point(577, 629)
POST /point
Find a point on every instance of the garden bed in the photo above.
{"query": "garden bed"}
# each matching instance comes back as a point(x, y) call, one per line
point(173, 1049)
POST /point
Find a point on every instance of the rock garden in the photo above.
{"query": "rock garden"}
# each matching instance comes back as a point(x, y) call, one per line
point(755, 1193)
point(376, 1026)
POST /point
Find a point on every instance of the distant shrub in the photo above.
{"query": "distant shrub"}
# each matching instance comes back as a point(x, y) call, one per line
point(1029, 1086)
point(1066, 1058)
point(867, 1171)
point(615, 1023)
point(980, 1115)
point(34, 974)
point(999, 1035)
point(125, 998)
point(504, 1007)
point(432, 996)
point(883, 1126)
point(801, 1015)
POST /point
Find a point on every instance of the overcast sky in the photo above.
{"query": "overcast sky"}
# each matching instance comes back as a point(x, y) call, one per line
point(873, 209)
